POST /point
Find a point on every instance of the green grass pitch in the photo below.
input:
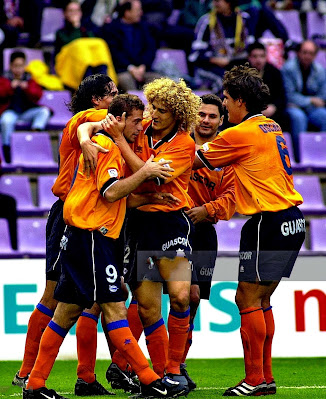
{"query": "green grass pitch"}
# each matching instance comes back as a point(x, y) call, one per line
point(295, 377)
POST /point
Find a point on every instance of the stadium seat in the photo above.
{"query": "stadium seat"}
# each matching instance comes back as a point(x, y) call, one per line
point(228, 234)
point(318, 234)
point(45, 195)
point(313, 150)
point(31, 236)
point(310, 188)
point(52, 20)
point(32, 152)
point(292, 23)
point(316, 28)
point(18, 186)
point(56, 101)
point(164, 55)
point(31, 54)
point(321, 57)
point(5, 243)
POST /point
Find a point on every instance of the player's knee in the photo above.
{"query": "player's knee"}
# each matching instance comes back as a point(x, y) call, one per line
point(180, 300)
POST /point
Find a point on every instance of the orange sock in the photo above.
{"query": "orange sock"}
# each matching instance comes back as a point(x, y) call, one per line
point(253, 334)
point(157, 342)
point(51, 341)
point(178, 326)
point(270, 328)
point(136, 328)
point(111, 347)
point(86, 334)
point(126, 343)
point(37, 323)
point(189, 341)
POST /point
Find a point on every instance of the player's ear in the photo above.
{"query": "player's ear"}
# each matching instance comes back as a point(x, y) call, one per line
point(221, 120)
point(118, 118)
point(95, 101)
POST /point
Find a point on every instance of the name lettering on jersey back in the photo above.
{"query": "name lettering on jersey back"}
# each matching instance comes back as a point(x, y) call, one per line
point(203, 180)
point(270, 127)
point(293, 227)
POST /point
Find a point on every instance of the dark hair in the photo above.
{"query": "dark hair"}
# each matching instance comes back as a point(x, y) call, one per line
point(17, 54)
point(122, 8)
point(233, 4)
point(93, 87)
point(214, 100)
point(255, 46)
point(125, 103)
point(245, 83)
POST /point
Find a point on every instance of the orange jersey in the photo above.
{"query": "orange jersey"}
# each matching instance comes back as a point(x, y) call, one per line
point(70, 151)
point(257, 151)
point(178, 147)
point(85, 206)
point(215, 190)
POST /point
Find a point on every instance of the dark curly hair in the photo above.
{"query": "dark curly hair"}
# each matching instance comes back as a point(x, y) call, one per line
point(93, 87)
point(244, 82)
point(125, 103)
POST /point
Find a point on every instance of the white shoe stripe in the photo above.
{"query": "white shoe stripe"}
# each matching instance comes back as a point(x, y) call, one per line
point(237, 392)
point(243, 389)
point(250, 387)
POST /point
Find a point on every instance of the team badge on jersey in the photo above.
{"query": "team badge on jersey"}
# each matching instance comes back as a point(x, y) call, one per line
point(113, 172)
point(205, 147)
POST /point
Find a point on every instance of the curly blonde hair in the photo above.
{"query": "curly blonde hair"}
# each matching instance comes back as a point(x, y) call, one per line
point(177, 98)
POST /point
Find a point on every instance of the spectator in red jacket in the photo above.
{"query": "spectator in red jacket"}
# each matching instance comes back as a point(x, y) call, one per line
point(19, 95)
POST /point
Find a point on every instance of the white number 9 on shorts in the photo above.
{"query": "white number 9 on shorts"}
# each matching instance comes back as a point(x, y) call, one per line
point(112, 274)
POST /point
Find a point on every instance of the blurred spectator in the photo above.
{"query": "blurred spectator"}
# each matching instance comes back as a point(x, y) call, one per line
point(221, 36)
point(19, 95)
point(192, 11)
point(73, 28)
point(17, 17)
point(8, 210)
point(257, 57)
point(301, 5)
point(262, 18)
point(78, 53)
point(305, 86)
point(20, 16)
point(318, 5)
point(132, 46)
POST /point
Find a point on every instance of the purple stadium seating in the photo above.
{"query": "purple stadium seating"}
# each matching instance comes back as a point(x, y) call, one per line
point(45, 195)
point(31, 54)
point(5, 243)
point(228, 234)
point(52, 20)
point(56, 101)
point(310, 189)
point(313, 150)
point(292, 23)
point(19, 187)
point(178, 56)
point(31, 236)
point(316, 28)
point(321, 57)
point(32, 152)
point(318, 234)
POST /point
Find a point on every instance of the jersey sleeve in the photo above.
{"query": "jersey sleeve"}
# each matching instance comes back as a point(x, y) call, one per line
point(223, 150)
point(92, 115)
point(223, 207)
point(109, 168)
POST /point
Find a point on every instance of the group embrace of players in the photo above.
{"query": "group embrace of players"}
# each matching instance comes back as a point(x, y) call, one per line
point(133, 209)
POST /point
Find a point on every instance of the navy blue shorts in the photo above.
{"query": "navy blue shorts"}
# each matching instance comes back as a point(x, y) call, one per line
point(204, 257)
point(90, 272)
point(269, 245)
point(55, 227)
point(151, 236)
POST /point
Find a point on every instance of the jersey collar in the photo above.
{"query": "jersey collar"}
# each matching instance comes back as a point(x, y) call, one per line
point(250, 115)
point(165, 139)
